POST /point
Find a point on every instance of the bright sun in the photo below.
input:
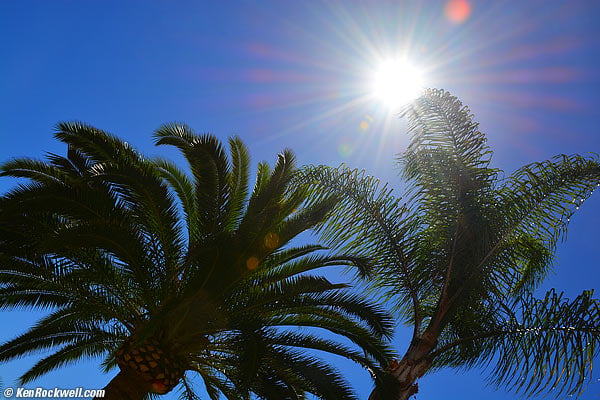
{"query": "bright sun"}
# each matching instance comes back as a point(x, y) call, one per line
point(397, 82)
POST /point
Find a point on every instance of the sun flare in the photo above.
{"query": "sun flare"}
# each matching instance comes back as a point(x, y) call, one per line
point(397, 82)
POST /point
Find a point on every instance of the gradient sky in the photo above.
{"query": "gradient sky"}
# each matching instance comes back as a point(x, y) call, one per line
point(295, 74)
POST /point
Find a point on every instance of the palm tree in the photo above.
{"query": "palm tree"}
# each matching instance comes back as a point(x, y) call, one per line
point(162, 272)
point(460, 259)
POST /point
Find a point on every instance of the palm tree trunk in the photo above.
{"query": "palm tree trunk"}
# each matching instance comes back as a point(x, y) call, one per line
point(401, 379)
point(404, 376)
point(125, 386)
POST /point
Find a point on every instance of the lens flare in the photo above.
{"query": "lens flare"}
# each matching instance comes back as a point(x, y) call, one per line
point(252, 263)
point(271, 240)
point(345, 148)
point(458, 11)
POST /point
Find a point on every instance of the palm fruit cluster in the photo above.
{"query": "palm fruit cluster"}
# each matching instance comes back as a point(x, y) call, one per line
point(152, 362)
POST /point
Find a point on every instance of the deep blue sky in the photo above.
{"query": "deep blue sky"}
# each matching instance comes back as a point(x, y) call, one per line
point(294, 74)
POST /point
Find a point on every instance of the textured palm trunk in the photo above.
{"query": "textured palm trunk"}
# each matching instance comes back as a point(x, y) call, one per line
point(402, 376)
point(126, 386)
point(405, 379)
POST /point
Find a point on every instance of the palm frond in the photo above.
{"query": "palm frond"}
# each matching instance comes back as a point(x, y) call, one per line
point(537, 203)
point(542, 345)
point(210, 169)
point(92, 347)
point(240, 160)
point(370, 222)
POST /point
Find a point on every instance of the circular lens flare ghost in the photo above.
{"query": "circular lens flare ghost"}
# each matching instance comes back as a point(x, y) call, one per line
point(397, 82)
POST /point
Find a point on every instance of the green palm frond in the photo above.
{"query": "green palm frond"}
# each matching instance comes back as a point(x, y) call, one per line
point(275, 269)
point(61, 327)
point(240, 160)
point(210, 169)
point(92, 347)
point(303, 220)
point(38, 171)
point(536, 204)
point(269, 199)
point(215, 385)
point(368, 213)
point(447, 158)
point(308, 341)
point(317, 377)
point(137, 182)
point(554, 340)
point(280, 371)
point(94, 144)
point(447, 168)
point(182, 185)
point(188, 393)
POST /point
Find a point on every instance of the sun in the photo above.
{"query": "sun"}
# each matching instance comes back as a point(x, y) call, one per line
point(397, 82)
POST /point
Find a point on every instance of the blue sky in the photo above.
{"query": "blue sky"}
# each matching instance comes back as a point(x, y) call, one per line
point(296, 74)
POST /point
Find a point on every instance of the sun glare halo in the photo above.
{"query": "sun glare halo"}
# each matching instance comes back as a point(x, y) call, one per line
point(397, 82)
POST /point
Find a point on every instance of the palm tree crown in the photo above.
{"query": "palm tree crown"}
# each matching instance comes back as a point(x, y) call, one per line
point(461, 257)
point(162, 271)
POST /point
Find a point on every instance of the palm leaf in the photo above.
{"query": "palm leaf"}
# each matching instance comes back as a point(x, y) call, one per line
point(554, 339)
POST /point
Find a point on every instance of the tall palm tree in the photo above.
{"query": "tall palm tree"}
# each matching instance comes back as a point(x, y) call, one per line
point(163, 272)
point(460, 259)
